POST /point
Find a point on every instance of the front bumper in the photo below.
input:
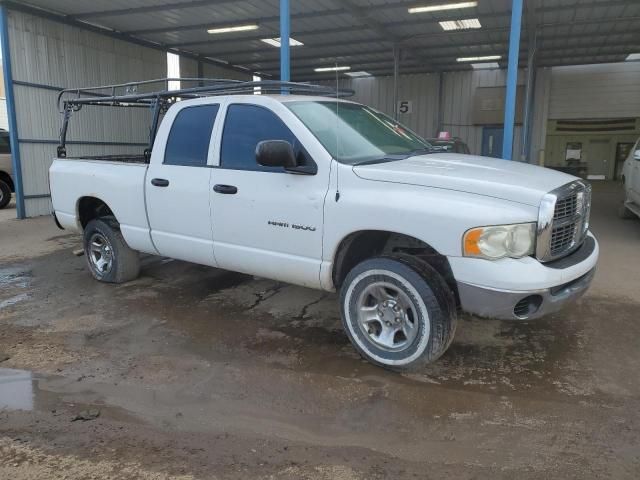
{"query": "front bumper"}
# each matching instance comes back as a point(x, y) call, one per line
point(561, 288)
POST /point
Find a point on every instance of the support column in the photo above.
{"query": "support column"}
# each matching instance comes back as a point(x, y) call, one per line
point(11, 112)
point(285, 30)
point(512, 79)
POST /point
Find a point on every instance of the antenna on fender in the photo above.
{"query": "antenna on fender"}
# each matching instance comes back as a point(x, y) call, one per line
point(337, 137)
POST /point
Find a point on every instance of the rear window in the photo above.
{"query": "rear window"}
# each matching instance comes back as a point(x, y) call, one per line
point(188, 142)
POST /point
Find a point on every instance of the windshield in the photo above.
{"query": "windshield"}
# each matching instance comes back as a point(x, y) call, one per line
point(356, 134)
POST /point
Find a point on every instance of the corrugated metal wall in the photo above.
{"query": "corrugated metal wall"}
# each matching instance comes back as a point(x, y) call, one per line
point(457, 104)
point(595, 91)
point(189, 68)
point(422, 90)
point(50, 53)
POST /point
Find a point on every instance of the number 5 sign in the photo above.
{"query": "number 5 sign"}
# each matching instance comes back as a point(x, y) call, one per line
point(405, 106)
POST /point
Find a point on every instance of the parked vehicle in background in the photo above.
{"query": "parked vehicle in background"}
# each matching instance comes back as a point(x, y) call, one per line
point(449, 145)
point(333, 195)
point(631, 182)
point(6, 170)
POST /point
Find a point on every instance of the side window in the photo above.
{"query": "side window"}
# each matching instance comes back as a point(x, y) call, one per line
point(247, 125)
point(188, 142)
point(5, 145)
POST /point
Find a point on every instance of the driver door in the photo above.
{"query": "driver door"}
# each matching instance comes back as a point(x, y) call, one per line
point(266, 222)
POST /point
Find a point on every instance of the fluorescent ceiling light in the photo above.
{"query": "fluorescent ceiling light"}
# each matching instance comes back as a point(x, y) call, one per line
point(358, 74)
point(482, 66)
point(331, 69)
point(633, 56)
point(237, 28)
point(465, 24)
point(479, 59)
point(446, 6)
point(275, 42)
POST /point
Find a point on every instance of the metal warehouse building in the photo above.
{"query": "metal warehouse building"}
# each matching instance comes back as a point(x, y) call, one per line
point(553, 82)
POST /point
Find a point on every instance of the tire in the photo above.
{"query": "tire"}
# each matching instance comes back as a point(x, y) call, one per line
point(103, 241)
point(5, 194)
point(625, 213)
point(423, 325)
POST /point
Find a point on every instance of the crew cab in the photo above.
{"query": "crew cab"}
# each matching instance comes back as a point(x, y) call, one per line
point(330, 194)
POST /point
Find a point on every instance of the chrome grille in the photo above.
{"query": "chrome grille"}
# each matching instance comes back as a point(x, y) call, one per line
point(566, 207)
point(562, 238)
point(563, 220)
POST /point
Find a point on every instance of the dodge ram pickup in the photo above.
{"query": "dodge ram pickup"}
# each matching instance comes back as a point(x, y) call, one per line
point(331, 194)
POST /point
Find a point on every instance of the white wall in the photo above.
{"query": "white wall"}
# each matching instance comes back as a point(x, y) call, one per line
point(51, 53)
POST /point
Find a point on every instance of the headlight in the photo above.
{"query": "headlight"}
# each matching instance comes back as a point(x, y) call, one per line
point(500, 241)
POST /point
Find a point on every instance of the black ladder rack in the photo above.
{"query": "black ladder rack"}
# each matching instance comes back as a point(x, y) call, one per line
point(159, 99)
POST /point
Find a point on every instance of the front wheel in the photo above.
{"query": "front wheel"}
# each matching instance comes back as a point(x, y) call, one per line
point(398, 312)
point(109, 258)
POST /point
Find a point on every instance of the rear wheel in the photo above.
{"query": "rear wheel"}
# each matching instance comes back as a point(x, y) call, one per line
point(398, 312)
point(5, 194)
point(109, 258)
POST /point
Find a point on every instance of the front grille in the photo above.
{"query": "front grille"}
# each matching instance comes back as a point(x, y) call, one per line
point(566, 207)
point(564, 220)
point(562, 238)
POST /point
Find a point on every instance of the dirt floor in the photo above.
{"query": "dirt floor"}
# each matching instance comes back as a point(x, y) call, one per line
point(191, 372)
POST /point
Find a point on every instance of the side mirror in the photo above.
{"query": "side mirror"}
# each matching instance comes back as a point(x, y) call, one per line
point(276, 153)
point(636, 154)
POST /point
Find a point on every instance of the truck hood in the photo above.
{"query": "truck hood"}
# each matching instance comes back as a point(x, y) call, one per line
point(491, 177)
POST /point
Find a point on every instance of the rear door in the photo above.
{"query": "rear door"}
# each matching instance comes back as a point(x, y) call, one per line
point(177, 185)
point(266, 221)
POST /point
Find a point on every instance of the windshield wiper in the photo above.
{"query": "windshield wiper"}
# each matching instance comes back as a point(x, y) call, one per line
point(386, 158)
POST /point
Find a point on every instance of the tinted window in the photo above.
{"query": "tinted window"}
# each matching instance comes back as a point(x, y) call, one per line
point(188, 142)
point(353, 133)
point(5, 146)
point(247, 125)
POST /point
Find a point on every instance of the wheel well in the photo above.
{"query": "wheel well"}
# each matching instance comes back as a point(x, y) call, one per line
point(6, 178)
point(90, 208)
point(362, 245)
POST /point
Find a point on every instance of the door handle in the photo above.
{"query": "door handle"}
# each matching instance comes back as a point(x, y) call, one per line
point(160, 182)
point(225, 189)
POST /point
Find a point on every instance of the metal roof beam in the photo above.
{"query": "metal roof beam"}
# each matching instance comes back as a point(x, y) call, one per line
point(259, 20)
point(425, 51)
point(363, 16)
point(149, 9)
point(449, 60)
point(342, 9)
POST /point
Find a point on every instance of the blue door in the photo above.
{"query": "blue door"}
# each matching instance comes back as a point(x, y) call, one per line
point(492, 141)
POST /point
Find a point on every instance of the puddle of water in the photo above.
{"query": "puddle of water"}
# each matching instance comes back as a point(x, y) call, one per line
point(13, 277)
point(16, 389)
point(13, 300)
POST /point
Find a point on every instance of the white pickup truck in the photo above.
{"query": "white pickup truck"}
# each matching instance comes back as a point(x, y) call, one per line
point(334, 195)
point(631, 181)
